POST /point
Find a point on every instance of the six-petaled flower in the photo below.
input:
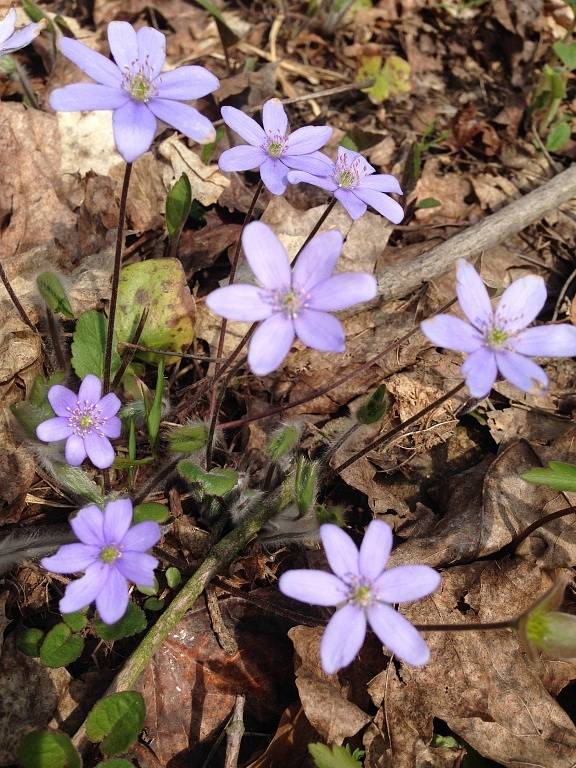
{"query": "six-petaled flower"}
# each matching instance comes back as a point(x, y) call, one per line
point(499, 341)
point(86, 421)
point(364, 593)
point(10, 40)
point(289, 302)
point(355, 183)
point(111, 552)
point(136, 89)
point(273, 149)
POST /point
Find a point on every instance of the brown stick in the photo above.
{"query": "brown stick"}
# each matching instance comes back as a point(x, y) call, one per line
point(401, 279)
point(234, 733)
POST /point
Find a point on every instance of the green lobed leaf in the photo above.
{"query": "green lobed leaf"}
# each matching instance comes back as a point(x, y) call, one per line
point(116, 721)
point(48, 749)
point(335, 757)
point(76, 481)
point(283, 442)
point(76, 621)
point(188, 439)
point(154, 415)
point(133, 622)
point(154, 604)
point(173, 577)
point(375, 407)
point(559, 136)
point(390, 78)
point(178, 204)
point(89, 344)
point(36, 409)
point(208, 150)
point(217, 482)
point(153, 590)
point(115, 762)
point(305, 482)
point(60, 647)
point(29, 641)
point(557, 475)
point(566, 52)
point(54, 294)
point(150, 510)
point(428, 202)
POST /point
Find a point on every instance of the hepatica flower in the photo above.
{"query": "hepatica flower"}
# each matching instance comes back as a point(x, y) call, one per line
point(136, 89)
point(273, 149)
point(499, 341)
point(111, 552)
point(364, 593)
point(289, 302)
point(355, 183)
point(86, 421)
point(11, 41)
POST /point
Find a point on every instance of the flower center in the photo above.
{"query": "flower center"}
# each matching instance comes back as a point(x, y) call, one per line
point(137, 80)
point(291, 303)
point(275, 145)
point(362, 596)
point(346, 180)
point(348, 172)
point(85, 418)
point(109, 554)
point(496, 338)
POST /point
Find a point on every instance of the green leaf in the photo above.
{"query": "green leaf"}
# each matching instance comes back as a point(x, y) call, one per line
point(173, 577)
point(208, 150)
point(150, 510)
point(178, 204)
point(217, 482)
point(154, 604)
point(566, 52)
point(36, 14)
point(153, 590)
point(89, 343)
point(305, 482)
point(161, 285)
point(390, 78)
point(154, 415)
point(558, 137)
point(428, 202)
point(337, 757)
point(48, 749)
point(375, 408)
point(54, 294)
point(76, 621)
point(133, 622)
point(557, 475)
point(227, 36)
point(348, 143)
point(188, 439)
point(28, 641)
point(36, 409)
point(115, 762)
point(76, 481)
point(116, 721)
point(283, 442)
point(60, 647)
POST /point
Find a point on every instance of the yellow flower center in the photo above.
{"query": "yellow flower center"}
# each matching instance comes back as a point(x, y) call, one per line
point(109, 554)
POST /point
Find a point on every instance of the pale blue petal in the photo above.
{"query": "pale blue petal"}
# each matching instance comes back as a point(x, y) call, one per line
point(308, 139)
point(88, 526)
point(52, 430)
point(186, 83)
point(314, 587)
point(80, 593)
point(274, 118)
point(342, 638)
point(353, 205)
point(85, 97)
point(270, 344)
point(407, 582)
point(109, 405)
point(244, 126)
point(349, 157)
point(239, 302)
point(317, 260)
point(521, 371)
point(123, 44)
point(71, 558)
point(314, 163)
point(266, 256)
point(324, 182)
point(90, 390)
point(382, 203)
point(117, 521)
point(137, 567)
point(547, 341)
point(452, 333)
point(134, 128)
point(382, 182)
point(342, 291)
point(75, 450)
point(241, 158)
point(112, 427)
point(184, 118)
point(398, 635)
point(375, 549)
point(21, 38)
point(99, 450)
point(473, 296)
point(480, 371)
point(95, 65)
point(320, 331)
point(274, 176)
point(141, 537)
point(151, 49)
point(520, 303)
point(62, 400)
point(340, 550)
point(112, 599)
point(7, 25)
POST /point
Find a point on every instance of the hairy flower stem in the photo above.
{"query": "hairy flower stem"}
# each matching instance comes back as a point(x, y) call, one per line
point(471, 627)
point(19, 308)
point(163, 474)
point(519, 538)
point(216, 411)
point(116, 280)
point(321, 220)
point(381, 440)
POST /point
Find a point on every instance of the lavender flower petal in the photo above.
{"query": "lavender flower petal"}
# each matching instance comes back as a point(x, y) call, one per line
point(137, 567)
point(382, 182)
point(480, 371)
point(274, 118)
point(308, 139)
point(521, 303)
point(117, 521)
point(295, 177)
point(90, 389)
point(266, 256)
point(375, 549)
point(239, 302)
point(88, 525)
point(186, 83)
point(315, 163)
point(80, 97)
point(112, 599)
point(341, 552)
point(389, 208)
point(521, 371)
point(270, 344)
point(317, 260)
point(342, 638)
point(142, 536)
point(320, 331)
point(71, 558)
point(184, 118)
point(241, 158)
point(112, 427)
point(152, 50)
point(314, 587)
point(99, 450)
point(134, 128)
point(244, 126)
point(407, 582)
point(274, 176)
point(547, 341)
point(95, 65)
point(80, 593)
point(343, 291)
point(473, 296)
point(353, 205)
point(62, 400)
point(398, 635)
point(109, 405)
point(451, 333)
point(75, 450)
point(21, 38)
point(123, 44)
point(7, 25)
point(51, 430)
point(353, 158)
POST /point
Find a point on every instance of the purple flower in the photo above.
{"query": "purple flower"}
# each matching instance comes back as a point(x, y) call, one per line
point(355, 183)
point(499, 341)
point(291, 302)
point(85, 421)
point(11, 41)
point(136, 89)
point(273, 149)
point(364, 593)
point(111, 553)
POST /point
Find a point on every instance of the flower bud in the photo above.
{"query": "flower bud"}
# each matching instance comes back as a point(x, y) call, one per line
point(283, 442)
point(305, 484)
point(545, 629)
